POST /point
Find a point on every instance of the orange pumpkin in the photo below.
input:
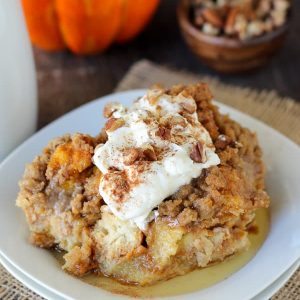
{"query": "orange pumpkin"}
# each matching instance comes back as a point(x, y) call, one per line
point(85, 26)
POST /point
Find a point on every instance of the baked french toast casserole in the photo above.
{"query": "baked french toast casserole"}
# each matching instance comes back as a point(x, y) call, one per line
point(169, 185)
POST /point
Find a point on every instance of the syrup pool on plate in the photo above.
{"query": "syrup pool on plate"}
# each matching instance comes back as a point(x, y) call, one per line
point(193, 281)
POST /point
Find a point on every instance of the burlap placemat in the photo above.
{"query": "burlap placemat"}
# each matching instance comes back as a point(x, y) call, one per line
point(282, 114)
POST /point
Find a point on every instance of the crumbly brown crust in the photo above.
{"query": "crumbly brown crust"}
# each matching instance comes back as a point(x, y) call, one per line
point(59, 195)
point(204, 221)
point(240, 174)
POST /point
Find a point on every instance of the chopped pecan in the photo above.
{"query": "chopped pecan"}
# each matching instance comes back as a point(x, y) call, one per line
point(197, 153)
point(114, 123)
point(113, 169)
point(239, 19)
point(213, 17)
point(164, 133)
point(130, 155)
point(222, 142)
point(110, 108)
point(149, 154)
point(223, 11)
point(247, 10)
point(231, 18)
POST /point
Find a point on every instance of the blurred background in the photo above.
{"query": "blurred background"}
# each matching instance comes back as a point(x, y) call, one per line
point(66, 80)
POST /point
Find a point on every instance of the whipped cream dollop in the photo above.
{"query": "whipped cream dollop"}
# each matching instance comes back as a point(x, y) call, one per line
point(153, 148)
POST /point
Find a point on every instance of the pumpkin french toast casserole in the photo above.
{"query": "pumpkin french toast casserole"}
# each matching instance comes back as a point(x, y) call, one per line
point(169, 185)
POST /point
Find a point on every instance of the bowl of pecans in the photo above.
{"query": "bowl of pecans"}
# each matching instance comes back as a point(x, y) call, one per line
point(234, 36)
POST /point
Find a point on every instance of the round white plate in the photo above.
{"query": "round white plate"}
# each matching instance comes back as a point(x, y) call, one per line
point(279, 252)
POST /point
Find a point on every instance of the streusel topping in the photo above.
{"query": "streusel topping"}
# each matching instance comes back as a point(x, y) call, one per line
point(153, 148)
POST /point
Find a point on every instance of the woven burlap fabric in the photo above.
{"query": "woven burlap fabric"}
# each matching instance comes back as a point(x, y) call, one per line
point(280, 113)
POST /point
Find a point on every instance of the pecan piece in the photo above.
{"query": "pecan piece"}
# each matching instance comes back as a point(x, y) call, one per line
point(150, 154)
point(110, 108)
point(164, 133)
point(213, 17)
point(113, 123)
point(197, 153)
point(222, 142)
point(231, 18)
point(130, 155)
point(247, 10)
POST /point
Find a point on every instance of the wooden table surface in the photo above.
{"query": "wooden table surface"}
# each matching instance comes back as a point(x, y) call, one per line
point(66, 81)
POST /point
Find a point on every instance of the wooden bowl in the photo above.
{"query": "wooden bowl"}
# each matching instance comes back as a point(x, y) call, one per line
point(229, 55)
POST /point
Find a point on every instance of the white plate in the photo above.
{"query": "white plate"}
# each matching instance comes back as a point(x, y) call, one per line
point(264, 295)
point(279, 252)
point(277, 284)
